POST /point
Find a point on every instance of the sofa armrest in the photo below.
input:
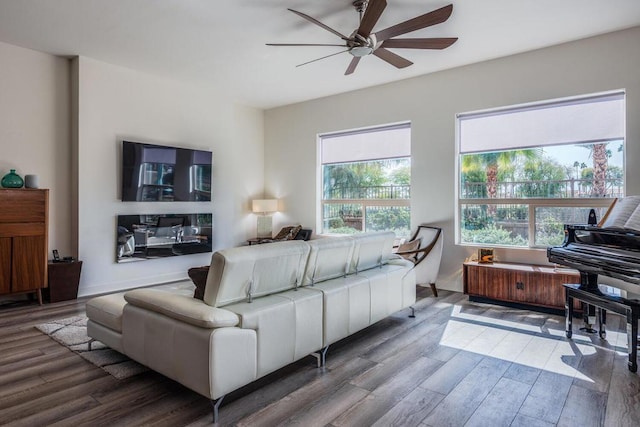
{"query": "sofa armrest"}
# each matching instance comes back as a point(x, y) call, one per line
point(398, 260)
point(182, 307)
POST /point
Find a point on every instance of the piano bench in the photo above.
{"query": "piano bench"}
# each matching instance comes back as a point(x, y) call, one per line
point(605, 301)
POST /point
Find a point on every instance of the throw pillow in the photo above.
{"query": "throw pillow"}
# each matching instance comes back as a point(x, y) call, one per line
point(294, 232)
point(283, 233)
point(288, 233)
point(413, 245)
point(199, 277)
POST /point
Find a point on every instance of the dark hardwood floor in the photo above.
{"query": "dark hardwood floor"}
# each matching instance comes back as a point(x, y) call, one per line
point(456, 364)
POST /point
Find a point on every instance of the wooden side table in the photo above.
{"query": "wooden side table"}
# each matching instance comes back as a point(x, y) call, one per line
point(259, 240)
point(64, 278)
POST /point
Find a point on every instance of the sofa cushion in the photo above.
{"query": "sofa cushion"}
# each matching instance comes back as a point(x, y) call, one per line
point(199, 277)
point(371, 250)
point(181, 307)
point(288, 326)
point(249, 272)
point(328, 258)
point(308, 306)
point(347, 307)
point(273, 319)
point(106, 310)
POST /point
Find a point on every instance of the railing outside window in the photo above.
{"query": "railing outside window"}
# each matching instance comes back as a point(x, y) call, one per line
point(563, 189)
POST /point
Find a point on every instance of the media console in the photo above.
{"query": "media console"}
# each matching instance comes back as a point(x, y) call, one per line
point(527, 286)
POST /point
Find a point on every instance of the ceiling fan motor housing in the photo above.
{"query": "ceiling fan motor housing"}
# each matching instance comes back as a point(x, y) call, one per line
point(361, 46)
point(360, 5)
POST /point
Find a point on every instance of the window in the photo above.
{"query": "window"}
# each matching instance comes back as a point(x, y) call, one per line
point(527, 170)
point(365, 178)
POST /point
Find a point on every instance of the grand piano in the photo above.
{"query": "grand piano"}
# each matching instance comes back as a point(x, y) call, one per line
point(612, 250)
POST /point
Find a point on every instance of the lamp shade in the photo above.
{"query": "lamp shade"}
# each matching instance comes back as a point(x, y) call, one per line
point(265, 205)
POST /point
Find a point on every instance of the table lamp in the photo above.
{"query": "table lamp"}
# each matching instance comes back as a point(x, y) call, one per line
point(264, 208)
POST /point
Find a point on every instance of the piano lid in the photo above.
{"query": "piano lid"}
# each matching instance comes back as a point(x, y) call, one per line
point(594, 250)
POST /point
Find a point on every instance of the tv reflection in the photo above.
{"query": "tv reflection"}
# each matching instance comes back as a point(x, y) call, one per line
point(143, 237)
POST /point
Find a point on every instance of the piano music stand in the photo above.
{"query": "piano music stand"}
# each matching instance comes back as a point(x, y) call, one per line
point(604, 300)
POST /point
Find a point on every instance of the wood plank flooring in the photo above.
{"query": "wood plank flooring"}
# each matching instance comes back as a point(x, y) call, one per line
point(455, 364)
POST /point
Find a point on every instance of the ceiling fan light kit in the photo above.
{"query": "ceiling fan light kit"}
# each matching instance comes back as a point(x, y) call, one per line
point(363, 42)
point(365, 47)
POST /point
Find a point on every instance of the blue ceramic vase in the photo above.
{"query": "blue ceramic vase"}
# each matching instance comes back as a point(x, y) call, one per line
point(12, 180)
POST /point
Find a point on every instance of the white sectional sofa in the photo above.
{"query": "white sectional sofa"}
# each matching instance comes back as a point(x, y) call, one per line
point(264, 307)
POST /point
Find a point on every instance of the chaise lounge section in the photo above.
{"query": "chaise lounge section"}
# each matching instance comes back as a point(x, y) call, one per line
point(264, 307)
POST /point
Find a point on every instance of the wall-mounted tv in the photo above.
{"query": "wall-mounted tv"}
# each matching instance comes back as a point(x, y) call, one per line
point(160, 173)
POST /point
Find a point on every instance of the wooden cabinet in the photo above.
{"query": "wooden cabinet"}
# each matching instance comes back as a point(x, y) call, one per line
point(532, 286)
point(23, 240)
point(64, 278)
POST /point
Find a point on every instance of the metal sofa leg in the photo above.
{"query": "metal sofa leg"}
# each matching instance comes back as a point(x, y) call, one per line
point(216, 405)
point(434, 290)
point(321, 356)
point(413, 312)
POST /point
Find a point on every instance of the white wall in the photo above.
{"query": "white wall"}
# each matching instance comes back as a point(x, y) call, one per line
point(115, 103)
point(430, 102)
point(34, 130)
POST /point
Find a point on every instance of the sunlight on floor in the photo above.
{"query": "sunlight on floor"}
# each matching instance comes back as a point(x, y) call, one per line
point(536, 346)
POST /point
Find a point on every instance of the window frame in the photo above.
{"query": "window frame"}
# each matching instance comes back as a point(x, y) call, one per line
point(364, 203)
point(532, 203)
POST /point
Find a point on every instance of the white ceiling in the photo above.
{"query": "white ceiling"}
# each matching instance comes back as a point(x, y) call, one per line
point(221, 43)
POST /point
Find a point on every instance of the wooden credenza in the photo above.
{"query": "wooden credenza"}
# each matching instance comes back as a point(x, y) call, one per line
point(530, 286)
point(23, 241)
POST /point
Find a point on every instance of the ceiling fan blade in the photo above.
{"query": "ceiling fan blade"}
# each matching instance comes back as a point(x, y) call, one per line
point(430, 43)
point(304, 44)
point(371, 16)
point(352, 65)
point(432, 18)
point(393, 59)
point(318, 59)
point(318, 23)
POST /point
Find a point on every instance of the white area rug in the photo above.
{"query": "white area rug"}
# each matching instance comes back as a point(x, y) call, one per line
point(72, 333)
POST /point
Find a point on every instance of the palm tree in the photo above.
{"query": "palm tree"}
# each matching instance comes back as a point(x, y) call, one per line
point(492, 162)
point(600, 156)
point(600, 163)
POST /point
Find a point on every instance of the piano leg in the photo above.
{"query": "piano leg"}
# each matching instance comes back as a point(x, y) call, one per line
point(632, 338)
point(602, 321)
point(589, 318)
point(568, 310)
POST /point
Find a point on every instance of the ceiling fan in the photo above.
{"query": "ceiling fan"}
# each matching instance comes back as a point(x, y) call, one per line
point(363, 41)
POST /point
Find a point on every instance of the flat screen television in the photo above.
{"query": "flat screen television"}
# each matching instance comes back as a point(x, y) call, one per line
point(160, 173)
